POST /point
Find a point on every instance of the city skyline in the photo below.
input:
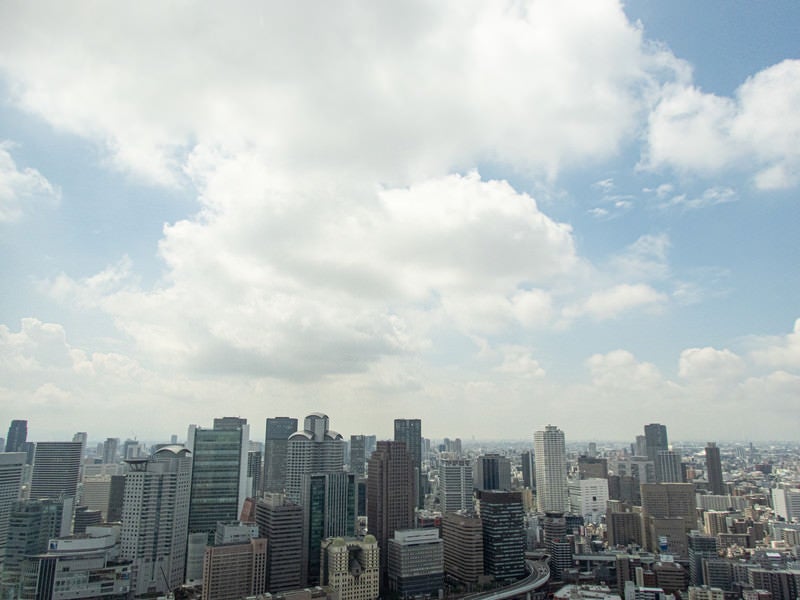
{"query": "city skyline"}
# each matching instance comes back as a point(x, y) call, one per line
point(489, 217)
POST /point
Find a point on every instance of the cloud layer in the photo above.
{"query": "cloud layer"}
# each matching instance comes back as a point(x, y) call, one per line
point(345, 245)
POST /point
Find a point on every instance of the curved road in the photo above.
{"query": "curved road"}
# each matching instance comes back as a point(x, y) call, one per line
point(539, 574)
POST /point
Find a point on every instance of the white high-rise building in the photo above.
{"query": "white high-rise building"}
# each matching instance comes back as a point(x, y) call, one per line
point(316, 449)
point(551, 470)
point(11, 464)
point(589, 498)
point(455, 485)
point(786, 500)
point(155, 519)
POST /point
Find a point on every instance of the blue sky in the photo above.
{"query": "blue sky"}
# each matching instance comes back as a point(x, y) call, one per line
point(491, 216)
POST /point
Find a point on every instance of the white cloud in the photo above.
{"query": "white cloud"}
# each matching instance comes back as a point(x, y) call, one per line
point(400, 93)
point(757, 130)
point(304, 282)
point(781, 352)
point(20, 188)
point(612, 302)
point(710, 197)
point(710, 363)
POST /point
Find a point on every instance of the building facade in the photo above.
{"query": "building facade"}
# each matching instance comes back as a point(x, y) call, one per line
point(416, 563)
point(352, 567)
point(155, 518)
point(550, 457)
point(278, 430)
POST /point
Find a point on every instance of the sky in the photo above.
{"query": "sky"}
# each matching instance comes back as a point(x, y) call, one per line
point(492, 216)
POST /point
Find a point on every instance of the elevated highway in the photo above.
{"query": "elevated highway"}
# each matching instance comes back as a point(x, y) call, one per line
point(538, 575)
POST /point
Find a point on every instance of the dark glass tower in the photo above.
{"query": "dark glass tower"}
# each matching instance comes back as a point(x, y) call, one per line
point(655, 436)
point(503, 515)
point(275, 442)
point(17, 436)
point(714, 469)
point(409, 431)
point(219, 476)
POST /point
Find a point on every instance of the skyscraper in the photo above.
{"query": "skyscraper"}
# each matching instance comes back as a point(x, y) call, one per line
point(390, 494)
point(219, 483)
point(358, 455)
point(655, 436)
point(316, 480)
point(503, 518)
point(281, 521)
point(410, 432)
point(462, 535)
point(455, 485)
point(668, 511)
point(254, 471)
point(111, 451)
point(528, 478)
point(492, 472)
point(155, 517)
point(17, 435)
point(11, 464)
point(669, 465)
point(275, 443)
point(56, 470)
point(331, 512)
point(219, 474)
point(550, 458)
point(31, 525)
point(714, 469)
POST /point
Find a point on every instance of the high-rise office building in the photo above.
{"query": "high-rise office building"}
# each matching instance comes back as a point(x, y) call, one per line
point(281, 521)
point(555, 530)
point(590, 467)
point(254, 472)
point(668, 511)
point(315, 449)
point(31, 525)
point(390, 494)
point(700, 547)
point(219, 474)
point(624, 525)
point(17, 435)
point(331, 512)
point(786, 502)
point(462, 536)
point(235, 570)
point(409, 431)
point(155, 517)
point(669, 465)
point(416, 563)
point(358, 455)
point(56, 470)
point(550, 456)
point(492, 472)
point(503, 520)
point(528, 476)
point(714, 469)
point(111, 451)
point(588, 498)
point(11, 465)
point(275, 445)
point(83, 438)
point(656, 441)
point(328, 502)
point(455, 485)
